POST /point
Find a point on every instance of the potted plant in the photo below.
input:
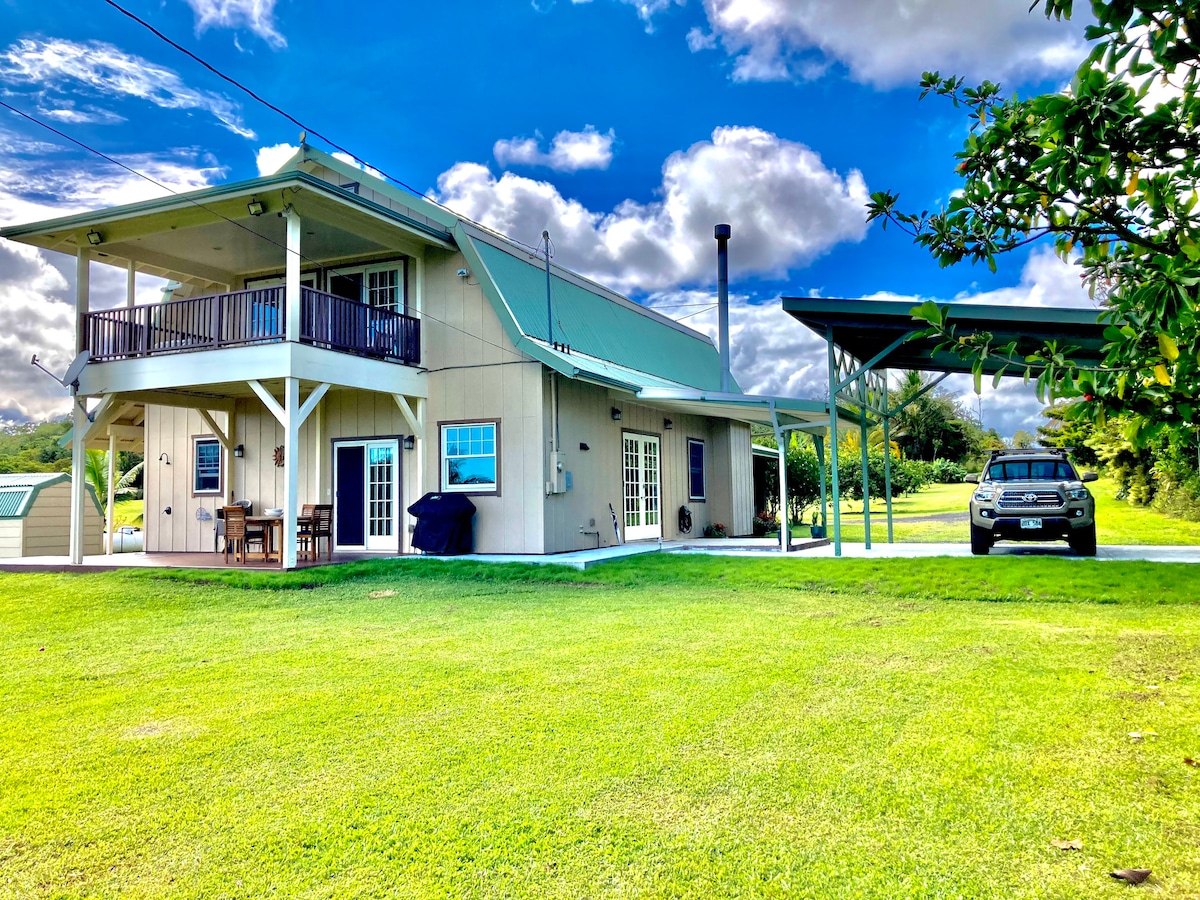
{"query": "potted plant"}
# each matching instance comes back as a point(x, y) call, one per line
point(817, 531)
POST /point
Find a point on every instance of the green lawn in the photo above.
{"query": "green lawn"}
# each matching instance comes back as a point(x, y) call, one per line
point(658, 727)
point(1117, 522)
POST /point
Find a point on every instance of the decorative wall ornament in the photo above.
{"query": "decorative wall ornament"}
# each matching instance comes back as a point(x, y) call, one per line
point(279, 457)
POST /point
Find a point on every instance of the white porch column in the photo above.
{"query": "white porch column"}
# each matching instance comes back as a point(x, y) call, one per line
point(131, 284)
point(292, 281)
point(79, 423)
point(291, 461)
point(112, 491)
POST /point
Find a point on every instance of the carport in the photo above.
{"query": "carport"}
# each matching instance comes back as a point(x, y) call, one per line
point(867, 338)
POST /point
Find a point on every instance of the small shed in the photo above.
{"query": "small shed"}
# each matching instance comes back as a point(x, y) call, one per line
point(35, 516)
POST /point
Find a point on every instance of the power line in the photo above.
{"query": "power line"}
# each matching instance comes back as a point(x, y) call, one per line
point(271, 106)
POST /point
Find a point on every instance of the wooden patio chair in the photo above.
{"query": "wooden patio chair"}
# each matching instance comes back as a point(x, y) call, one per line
point(322, 527)
point(304, 523)
point(236, 534)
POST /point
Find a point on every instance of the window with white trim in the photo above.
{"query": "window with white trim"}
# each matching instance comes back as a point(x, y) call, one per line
point(470, 461)
point(695, 469)
point(206, 465)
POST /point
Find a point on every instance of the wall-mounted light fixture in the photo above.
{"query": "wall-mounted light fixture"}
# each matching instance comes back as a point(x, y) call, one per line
point(239, 451)
point(409, 442)
point(616, 414)
point(163, 458)
point(255, 207)
point(464, 273)
point(668, 424)
point(584, 447)
point(95, 238)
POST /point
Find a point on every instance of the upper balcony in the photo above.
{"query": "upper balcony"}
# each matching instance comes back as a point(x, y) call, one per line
point(249, 317)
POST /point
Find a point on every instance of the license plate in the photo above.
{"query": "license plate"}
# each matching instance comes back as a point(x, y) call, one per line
point(1032, 524)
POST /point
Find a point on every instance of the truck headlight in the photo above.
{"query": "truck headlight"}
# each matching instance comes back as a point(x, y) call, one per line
point(1078, 494)
point(985, 496)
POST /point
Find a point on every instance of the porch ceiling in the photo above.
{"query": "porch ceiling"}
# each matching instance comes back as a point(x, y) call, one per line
point(210, 237)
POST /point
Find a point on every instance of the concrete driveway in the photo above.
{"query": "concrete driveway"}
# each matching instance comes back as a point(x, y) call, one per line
point(910, 551)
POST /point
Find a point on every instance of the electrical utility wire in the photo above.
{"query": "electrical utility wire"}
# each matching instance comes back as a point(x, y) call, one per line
point(271, 106)
point(209, 209)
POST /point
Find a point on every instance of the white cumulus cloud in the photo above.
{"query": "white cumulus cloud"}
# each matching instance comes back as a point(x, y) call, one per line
point(884, 42)
point(256, 15)
point(570, 151)
point(37, 286)
point(53, 65)
point(785, 206)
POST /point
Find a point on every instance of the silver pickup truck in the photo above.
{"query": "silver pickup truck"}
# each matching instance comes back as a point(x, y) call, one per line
point(1032, 495)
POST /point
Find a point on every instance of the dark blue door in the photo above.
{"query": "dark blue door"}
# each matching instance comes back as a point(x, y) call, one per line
point(351, 511)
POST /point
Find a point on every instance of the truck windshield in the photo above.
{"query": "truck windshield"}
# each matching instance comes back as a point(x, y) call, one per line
point(1031, 470)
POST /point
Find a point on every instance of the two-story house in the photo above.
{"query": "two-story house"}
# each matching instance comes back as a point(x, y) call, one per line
point(332, 339)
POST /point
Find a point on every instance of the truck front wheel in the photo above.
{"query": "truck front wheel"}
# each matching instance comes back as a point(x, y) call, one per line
point(981, 540)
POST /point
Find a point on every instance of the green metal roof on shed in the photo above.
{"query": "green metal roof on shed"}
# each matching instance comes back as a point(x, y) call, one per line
point(596, 322)
point(19, 491)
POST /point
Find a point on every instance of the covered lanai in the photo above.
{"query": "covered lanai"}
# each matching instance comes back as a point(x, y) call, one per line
point(867, 338)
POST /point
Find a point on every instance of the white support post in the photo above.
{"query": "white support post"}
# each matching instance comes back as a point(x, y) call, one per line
point(131, 284)
point(785, 525)
point(79, 422)
point(112, 492)
point(291, 469)
point(292, 277)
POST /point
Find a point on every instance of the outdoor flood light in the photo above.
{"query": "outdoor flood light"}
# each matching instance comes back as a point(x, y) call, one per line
point(616, 414)
point(255, 207)
point(94, 238)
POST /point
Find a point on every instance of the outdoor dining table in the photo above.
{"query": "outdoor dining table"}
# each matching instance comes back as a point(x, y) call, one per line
point(269, 524)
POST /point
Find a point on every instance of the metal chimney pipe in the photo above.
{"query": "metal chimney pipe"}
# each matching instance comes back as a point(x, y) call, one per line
point(722, 233)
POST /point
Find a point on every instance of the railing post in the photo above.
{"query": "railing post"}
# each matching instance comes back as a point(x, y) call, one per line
point(215, 319)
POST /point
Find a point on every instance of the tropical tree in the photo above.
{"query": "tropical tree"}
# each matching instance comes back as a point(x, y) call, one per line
point(851, 442)
point(934, 424)
point(1107, 170)
point(96, 472)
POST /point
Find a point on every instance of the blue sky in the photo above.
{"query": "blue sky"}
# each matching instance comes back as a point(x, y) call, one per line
point(627, 129)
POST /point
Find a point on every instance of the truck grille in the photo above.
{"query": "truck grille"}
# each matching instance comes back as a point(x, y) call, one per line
point(1030, 500)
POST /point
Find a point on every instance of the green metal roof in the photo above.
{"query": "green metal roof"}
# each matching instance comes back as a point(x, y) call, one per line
point(593, 321)
point(866, 328)
point(18, 492)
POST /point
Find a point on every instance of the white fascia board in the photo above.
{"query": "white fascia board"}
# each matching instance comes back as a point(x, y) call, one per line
point(262, 362)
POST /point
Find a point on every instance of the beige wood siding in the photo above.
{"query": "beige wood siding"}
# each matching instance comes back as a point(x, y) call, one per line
point(168, 482)
point(585, 417)
point(10, 538)
point(477, 374)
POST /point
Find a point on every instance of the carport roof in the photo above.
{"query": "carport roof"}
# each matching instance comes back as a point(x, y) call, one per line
point(865, 328)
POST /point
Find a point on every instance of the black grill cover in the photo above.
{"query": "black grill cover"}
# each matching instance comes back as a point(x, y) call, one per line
point(443, 524)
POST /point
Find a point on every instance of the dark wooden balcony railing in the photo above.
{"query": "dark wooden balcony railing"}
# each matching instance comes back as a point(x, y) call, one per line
point(198, 323)
point(327, 320)
point(251, 317)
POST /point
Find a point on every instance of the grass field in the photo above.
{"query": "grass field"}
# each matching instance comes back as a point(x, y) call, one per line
point(1117, 522)
point(128, 512)
point(658, 727)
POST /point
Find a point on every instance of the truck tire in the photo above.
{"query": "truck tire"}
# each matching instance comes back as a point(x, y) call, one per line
point(1083, 540)
point(981, 540)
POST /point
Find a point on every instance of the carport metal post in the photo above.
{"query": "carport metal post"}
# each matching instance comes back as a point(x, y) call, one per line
point(781, 439)
point(819, 444)
point(866, 480)
point(887, 456)
point(833, 445)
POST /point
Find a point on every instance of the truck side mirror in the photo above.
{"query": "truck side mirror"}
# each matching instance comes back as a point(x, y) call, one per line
point(1090, 476)
point(971, 479)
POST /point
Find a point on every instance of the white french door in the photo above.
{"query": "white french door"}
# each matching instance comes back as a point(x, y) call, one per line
point(643, 506)
point(367, 494)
